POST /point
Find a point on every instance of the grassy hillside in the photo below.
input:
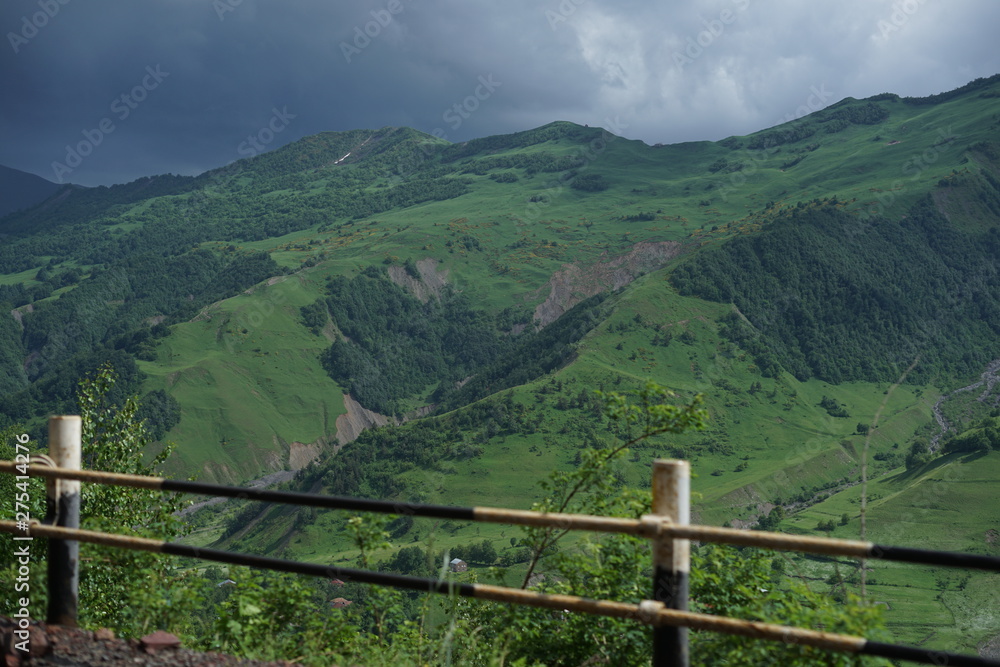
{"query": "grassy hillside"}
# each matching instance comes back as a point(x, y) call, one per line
point(947, 504)
point(790, 276)
point(497, 245)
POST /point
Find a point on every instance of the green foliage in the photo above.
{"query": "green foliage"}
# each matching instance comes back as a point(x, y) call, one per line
point(531, 163)
point(972, 86)
point(587, 488)
point(531, 355)
point(106, 318)
point(832, 407)
point(740, 583)
point(131, 592)
point(785, 134)
point(744, 584)
point(608, 567)
point(773, 518)
point(589, 183)
point(919, 454)
point(505, 177)
point(160, 412)
point(12, 378)
point(984, 436)
point(272, 616)
point(859, 114)
point(367, 470)
point(550, 132)
point(396, 346)
point(827, 526)
point(651, 414)
point(824, 295)
point(315, 315)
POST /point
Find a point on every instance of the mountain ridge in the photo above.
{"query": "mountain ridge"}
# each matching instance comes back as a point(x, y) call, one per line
point(253, 306)
point(21, 189)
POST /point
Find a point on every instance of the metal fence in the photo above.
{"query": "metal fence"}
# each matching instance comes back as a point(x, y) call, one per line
point(667, 527)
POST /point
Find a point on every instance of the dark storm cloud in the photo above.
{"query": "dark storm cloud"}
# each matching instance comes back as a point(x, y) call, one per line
point(186, 85)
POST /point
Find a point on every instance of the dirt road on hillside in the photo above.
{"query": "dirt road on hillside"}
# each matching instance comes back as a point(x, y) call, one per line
point(990, 377)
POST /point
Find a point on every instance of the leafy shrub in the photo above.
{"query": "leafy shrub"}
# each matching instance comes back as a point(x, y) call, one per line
point(589, 183)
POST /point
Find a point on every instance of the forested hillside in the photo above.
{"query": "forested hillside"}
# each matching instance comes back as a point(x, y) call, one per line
point(388, 314)
point(820, 294)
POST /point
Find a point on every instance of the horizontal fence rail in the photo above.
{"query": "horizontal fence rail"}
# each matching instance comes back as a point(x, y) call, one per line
point(649, 527)
point(648, 612)
point(667, 528)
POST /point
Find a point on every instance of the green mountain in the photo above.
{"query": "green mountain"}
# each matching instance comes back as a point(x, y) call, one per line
point(466, 299)
point(19, 190)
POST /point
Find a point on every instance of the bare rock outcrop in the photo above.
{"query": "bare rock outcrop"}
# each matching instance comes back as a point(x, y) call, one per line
point(430, 283)
point(573, 283)
point(357, 419)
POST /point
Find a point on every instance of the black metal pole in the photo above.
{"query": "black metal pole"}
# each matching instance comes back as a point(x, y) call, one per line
point(64, 507)
point(671, 559)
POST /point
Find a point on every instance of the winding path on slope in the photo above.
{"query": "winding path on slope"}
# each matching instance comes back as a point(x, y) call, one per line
point(990, 377)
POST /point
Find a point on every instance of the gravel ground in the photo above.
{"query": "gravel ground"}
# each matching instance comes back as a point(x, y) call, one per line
point(56, 646)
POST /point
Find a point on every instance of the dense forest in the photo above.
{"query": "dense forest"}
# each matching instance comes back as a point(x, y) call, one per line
point(114, 314)
point(115, 271)
point(821, 294)
point(393, 347)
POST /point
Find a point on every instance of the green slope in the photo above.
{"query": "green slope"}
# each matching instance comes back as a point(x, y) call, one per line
point(173, 279)
point(949, 504)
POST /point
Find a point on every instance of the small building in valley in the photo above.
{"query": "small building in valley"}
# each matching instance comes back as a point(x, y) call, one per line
point(458, 565)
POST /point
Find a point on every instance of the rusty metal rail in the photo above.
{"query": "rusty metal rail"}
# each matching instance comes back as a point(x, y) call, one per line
point(667, 527)
point(649, 527)
point(649, 612)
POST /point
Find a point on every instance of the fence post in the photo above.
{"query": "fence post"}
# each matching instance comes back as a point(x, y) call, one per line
point(671, 558)
point(64, 505)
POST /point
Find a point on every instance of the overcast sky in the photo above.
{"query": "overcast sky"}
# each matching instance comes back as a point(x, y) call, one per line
point(143, 87)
